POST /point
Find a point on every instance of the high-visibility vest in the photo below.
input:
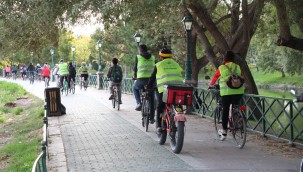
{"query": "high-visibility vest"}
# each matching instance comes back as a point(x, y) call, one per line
point(63, 69)
point(168, 72)
point(225, 74)
point(145, 66)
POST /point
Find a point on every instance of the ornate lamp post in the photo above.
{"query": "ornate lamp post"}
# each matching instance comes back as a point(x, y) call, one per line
point(52, 53)
point(73, 50)
point(187, 23)
point(137, 38)
point(99, 51)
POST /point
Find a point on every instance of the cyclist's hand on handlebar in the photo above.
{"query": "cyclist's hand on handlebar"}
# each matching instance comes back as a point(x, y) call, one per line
point(133, 78)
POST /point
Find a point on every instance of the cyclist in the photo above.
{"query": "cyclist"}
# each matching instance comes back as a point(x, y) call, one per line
point(7, 71)
point(46, 73)
point(14, 70)
point(31, 70)
point(23, 71)
point(63, 72)
point(72, 73)
point(229, 95)
point(83, 71)
point(38, 71)
point(115, 75)
point(143, 67)
point(166, 71)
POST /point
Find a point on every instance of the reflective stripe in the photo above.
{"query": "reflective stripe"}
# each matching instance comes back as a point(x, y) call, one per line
point(170, 82)
point(145, 66)
point(168, 75)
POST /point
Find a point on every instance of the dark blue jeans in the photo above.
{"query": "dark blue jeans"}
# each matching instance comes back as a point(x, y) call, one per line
point(139, 84)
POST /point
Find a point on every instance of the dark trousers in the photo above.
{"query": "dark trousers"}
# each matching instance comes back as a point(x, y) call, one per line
point(226, 102)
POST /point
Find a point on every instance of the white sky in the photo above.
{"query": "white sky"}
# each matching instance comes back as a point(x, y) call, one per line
point(86, 30)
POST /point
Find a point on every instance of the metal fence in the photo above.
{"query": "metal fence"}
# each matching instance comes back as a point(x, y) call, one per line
point(40, 162)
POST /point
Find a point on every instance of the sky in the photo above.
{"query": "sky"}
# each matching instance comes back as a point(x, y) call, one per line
point(86, 30)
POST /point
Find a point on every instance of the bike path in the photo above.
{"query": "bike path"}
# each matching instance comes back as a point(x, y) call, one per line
point(96, 137)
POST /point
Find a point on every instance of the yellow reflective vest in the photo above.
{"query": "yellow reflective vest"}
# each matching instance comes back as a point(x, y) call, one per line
point(145, 66)
point(63, 69)
point(168, 72)
point(224, 89)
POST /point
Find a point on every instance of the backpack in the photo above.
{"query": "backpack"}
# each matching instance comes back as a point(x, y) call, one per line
point(24, 69)
point(116, 74)
point(234, 81)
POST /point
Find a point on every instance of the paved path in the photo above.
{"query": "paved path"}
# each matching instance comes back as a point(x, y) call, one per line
point(94, 137)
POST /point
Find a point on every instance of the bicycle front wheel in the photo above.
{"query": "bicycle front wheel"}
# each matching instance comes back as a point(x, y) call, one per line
point(146, 112)
point(239, 130)
point(177, 136)
point(218, 121)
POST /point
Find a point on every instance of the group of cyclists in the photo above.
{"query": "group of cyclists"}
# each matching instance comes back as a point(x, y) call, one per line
point(150, 74)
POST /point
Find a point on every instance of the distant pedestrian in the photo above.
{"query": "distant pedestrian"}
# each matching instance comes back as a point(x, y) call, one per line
point(7, 71)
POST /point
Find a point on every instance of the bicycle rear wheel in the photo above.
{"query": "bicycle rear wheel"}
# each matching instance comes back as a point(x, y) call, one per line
point(218, 121)
point(177, 136)
point(46, 80)
point(239, 130)
point(114, 101)
point(117, 99)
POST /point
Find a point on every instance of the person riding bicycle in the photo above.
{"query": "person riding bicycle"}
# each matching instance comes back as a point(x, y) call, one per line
point(7, 71)
point(143, 67)
point(14, 70)
point(31, 70)
point(72, 73)
point(229, 95)
point(38, 70)
point(166, 71)
point(46, 73)
point(83, 71)
point(115, 75)
point(23, 71)
point(63, 72)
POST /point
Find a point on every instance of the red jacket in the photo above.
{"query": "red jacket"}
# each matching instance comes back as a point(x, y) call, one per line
point(45, 71)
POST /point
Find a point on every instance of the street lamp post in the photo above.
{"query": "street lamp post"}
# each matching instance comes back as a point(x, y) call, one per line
point(187, 23)
point(99, 51)
point(137, 38)
point(73, 50)
point(52, 53)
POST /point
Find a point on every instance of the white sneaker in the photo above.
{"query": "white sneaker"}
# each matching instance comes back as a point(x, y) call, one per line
point(222, 134)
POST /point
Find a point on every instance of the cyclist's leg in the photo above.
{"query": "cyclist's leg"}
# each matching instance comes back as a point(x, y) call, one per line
point(152, 110)
point(226, 102)
point(68, 81)
point(160, 111)
point(119, 92)
point(61, 81)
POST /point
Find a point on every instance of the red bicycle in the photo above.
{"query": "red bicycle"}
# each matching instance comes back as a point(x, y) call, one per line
point(173, 121)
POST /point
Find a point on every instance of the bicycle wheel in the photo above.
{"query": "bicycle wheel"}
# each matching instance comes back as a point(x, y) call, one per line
point(239, 129)
point(163, 134)
point(177, 136)
point(218, 120)
point(73, 88)
point(46, 82)
point(81, 82)
point(146, 112)
point(114, 101)
point(301, 166)
point(117, 99)
point(85, 85)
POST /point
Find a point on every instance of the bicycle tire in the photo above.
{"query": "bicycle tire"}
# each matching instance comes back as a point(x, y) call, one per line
point(113, 101)
point(46, 80)
point(146, 110)
point(80, 85)
point(85, 85)
point(117, 99)
point(143, 112)
point(162, 135)
point(218, 120)
point(239, 128)
point(301, 166)
point(177, 136)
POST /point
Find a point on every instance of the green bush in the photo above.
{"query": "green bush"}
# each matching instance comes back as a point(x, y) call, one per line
point(18, 110)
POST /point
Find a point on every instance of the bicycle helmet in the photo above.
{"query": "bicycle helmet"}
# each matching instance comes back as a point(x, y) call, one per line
point(61, 60)
point(165, 52)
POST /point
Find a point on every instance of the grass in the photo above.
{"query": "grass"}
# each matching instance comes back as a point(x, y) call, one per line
point(20, 129)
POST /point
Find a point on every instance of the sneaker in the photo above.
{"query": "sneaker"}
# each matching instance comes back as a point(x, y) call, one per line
point(120, 102)
point(111, 97)
point(152, 121)
point(159, 130)
point(138, 107)
point(222, 134)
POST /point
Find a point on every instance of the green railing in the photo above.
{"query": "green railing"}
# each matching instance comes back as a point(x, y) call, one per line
point(40, 162)
point(273, 117)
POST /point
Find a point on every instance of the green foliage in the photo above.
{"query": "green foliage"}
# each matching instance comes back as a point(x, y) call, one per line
point(2, 119)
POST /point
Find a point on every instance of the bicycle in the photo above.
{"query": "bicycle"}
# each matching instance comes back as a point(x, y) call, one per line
point(64, 87)
point(72, 86)
point(236, 119)
point(14, 75)
point(46, 81)
point(83, 83)
point(173, 119)
point(31, 78)
point(116, 99)
point(146, 107)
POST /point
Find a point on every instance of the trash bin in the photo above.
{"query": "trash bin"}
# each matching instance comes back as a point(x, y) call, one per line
point(53, 102)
